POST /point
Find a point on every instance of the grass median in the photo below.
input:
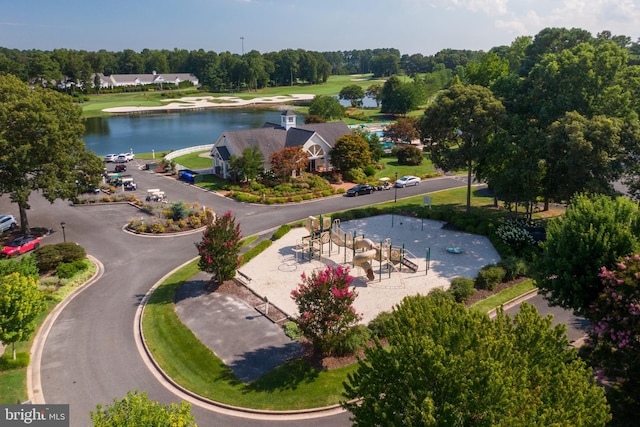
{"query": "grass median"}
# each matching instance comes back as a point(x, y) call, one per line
point(294, 385)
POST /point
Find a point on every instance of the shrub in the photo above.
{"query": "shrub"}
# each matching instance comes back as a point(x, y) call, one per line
point(513, 233)
point(355, 175)
point(47, 258)
point(370, 170)
point(409, 155)
point(280, 232)
point(489, 276)
point(378, 326)
point(351, 341)
point(292, 331)
point(194, 221)
point(156, 228)
point(22, 361)
point(70, 251)
point(514, 267)
point(177, 210)
point(462, 288)
point(66, 270)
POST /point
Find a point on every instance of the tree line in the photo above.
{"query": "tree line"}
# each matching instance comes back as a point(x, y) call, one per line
point(223, 71)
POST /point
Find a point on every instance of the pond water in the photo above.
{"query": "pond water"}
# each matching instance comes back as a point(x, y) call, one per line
point(144, 133)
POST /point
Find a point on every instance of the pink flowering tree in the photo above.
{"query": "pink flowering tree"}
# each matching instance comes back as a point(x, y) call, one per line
point(324, 302)
point(615, 317)
point(219, 248)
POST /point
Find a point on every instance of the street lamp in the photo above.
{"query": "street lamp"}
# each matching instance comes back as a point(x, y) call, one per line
point(395, 189)
point(64, 236)
point(395, 199)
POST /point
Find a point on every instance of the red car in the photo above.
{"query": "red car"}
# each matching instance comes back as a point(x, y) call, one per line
point(21, 245)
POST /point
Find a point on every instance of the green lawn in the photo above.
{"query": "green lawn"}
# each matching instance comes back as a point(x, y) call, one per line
point(503, 297)
point(295, 385)
point(194, 160)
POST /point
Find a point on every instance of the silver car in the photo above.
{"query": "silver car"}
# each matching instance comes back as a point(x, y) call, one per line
point(7, 222)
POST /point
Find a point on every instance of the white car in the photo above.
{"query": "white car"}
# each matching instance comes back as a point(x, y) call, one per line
point(110, 158)
point(122, 158)
point(407, 181)
point(7, 222)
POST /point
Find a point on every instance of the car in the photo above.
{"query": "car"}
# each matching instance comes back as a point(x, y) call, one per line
point(122, 158)
point(360, 189)
point(130, 155)
point(21, 245)
point(407, 181)
point(7, 222)
point(110, 158)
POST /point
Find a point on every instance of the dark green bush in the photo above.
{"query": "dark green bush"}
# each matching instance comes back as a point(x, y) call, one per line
point(462, 288)
point(66, 270)
point(514, 267)
point(380, 324)
point(71, 252)
point(409, 155)
point(48, 257)
point(489, 276)
point(370, 170)
point(351, 341)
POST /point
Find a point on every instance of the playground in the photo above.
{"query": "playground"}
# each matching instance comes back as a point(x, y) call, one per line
point(390, 256)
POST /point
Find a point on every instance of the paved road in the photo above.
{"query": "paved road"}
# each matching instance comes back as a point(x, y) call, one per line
point(90, 355)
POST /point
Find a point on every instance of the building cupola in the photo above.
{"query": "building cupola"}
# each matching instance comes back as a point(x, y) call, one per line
point(288, 119)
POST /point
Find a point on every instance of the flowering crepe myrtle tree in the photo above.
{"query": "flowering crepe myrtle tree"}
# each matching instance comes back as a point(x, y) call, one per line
point(324, 302)
point(615, 316)
point(219, 248)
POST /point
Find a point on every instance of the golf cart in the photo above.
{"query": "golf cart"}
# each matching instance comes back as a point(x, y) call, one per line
point(383, 184)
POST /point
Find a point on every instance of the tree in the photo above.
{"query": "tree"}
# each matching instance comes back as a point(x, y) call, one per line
point(409, 155)
point(405, 129)
point(446, 365)
point(353, 94)
point(326, 107)
point(615, 337)
point(20, 303)
point(219, 248)
point(324, 302)
point(594, 232)
point(350, 152)
point(41, 146)
point(487, 70)
point(136, 410)
point(461, 123)
point(375, 91)
point(289, 160)
point(374, 143)
point(400, 98)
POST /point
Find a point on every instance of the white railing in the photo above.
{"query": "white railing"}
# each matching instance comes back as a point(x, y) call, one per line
point(182, 151)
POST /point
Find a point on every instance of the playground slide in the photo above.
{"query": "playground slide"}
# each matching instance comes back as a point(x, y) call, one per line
point(361, 259)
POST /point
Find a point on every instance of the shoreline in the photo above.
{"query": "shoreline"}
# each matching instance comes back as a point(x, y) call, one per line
point(192, 103)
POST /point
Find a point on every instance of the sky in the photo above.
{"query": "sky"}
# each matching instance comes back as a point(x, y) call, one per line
point(239, 26)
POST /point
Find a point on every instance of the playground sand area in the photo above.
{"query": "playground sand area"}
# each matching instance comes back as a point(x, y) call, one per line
point(429, 246)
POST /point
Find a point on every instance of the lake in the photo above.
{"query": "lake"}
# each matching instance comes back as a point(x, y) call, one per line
point(163, 132)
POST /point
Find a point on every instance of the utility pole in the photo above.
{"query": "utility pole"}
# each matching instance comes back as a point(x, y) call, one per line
point(242, 38)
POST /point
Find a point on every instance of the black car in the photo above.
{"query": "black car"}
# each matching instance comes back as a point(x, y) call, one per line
point(360, 189)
